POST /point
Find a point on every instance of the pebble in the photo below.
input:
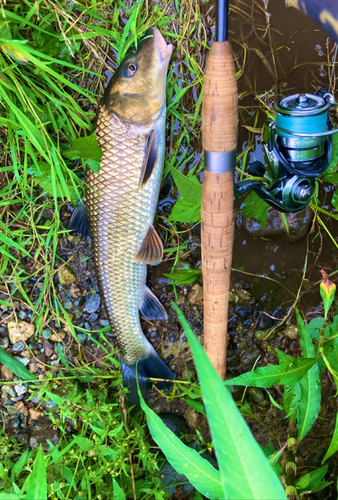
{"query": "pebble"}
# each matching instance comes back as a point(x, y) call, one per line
point(256, 394)
point(264, 322)
point(22, 314)
point(34, 414)
point(196, 295)
point(4, 343)
point(87, 325)
point(20, 331)
point(75, 291)
point(6, 372)
point(243, 311)
point(24, 361)
point(57, 337)
point(93, 317)
point(104, 322)
point(66, 275)
point(18, 347)
point(20, 389)
point(81, 338)
point(93, 303)
point(11, 410)
point(291, 331)
point(68, 304)
point(46, 333)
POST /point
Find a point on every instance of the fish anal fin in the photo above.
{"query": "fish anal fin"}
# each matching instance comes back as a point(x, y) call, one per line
point(150, 157)
point(151, 251)
point(151, 308)
point(78, 221)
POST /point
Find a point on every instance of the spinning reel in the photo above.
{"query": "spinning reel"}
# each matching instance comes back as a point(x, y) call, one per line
point(297, 148)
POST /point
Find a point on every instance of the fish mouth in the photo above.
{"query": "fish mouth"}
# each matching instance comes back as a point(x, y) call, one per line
point(164, 49)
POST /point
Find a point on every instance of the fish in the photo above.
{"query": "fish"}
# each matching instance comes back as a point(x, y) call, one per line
point(120, 203)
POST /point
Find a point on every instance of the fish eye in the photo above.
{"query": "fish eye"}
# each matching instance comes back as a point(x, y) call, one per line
point(131, 68)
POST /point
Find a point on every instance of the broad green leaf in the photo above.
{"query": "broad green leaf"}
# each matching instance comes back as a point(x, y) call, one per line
point(15, 366)
point(185, 212)
point(268, 376)
point(309, 402)
point(118, 493)
point(201, 474)
point(84, 147)
point(189, 187)
point(311, 480)
point(333, 448)
point(19, 465)
point(246, 473)
point(254, 206)
point(314, 327)
point(46, 179)
point(37, 486)
point(10, 496)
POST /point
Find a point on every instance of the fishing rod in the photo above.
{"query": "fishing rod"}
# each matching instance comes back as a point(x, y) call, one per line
point(219, 138)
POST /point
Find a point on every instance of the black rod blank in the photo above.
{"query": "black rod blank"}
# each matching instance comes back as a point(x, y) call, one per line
point(222, 20)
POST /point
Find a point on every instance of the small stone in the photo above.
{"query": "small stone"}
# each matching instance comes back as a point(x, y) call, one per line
point(18, 347)
point(93, 317)
point(20, 389)
point(196, 295)
point(66, 275)
point(57, 337)
point(34, 414)
point(104, 322)
point(256, 394)
point(261, 334)
point(291, 331)
point(233, 298)
point(75, 291)
point(93, 303)
point(46, 333)
point(68, 304)
point(24, 361)
point(81, 338)
point(243, 311)
point(264, 322)
point(4, 343)
point(22, 408)
point(22, 315)
point(87, 325)
point(243, 294)
point(7, 373)
point(20, 331)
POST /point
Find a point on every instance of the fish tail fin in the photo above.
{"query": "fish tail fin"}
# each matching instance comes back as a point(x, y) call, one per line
point(150, 367)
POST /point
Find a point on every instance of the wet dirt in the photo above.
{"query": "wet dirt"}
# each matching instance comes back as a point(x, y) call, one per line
point(279, 51)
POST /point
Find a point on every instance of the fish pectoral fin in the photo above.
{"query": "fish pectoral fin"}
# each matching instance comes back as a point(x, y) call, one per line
point(78, 221)
point(151, 251)
point(150, 157)
point(151, 308)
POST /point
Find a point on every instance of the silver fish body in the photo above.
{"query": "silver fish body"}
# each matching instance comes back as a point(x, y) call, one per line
point(121, 200)
point(120, 213)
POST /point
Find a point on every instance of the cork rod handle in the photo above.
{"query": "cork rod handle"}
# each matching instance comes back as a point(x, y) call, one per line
point(219, 122)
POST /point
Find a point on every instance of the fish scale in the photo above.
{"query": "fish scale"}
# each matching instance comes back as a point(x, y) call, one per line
point(120, 214)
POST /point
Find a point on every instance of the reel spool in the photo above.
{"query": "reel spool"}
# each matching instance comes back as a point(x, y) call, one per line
point(298, 148)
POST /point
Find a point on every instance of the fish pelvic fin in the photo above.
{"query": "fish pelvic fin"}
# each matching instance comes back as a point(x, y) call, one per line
point(151, 308)
point(151, 251)
point(150, 367)
point(78, 221)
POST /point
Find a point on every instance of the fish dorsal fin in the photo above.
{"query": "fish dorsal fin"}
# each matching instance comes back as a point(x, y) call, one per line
point(151, 308)
point(151, 251)
point(78, 222)
point(150, 157)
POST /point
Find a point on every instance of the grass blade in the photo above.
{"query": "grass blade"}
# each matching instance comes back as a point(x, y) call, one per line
point(15, 366)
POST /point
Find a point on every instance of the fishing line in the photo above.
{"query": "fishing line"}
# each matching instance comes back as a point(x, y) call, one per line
point(333, 65)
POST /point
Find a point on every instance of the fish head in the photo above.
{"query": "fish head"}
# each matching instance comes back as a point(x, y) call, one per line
point(136, 91)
